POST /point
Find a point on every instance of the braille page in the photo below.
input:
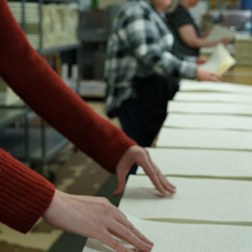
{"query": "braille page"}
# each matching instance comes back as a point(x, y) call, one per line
point(212, 97)
point(219, 62)
point(201, 163)
point(204, 139)
point(186, 237)
point(208, 86)
point(209, 108)
point(221, 122)
point(196, 201)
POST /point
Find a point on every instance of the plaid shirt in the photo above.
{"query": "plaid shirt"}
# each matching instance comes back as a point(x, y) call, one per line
point(139, 46)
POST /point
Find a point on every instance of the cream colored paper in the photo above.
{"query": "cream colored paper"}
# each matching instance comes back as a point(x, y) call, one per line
point(186, 237)
point(209, 108)
point(219, 62)
point(212, 97)
point(204, 139)
point(201, 163)
point(208, 86)
point(196, 201)
point(220, 122)
point(219, 32)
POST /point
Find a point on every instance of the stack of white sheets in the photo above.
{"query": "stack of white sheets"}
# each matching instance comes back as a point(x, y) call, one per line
point(205, 147)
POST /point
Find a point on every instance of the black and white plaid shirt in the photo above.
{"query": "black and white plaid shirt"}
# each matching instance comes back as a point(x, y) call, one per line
point(139, 46)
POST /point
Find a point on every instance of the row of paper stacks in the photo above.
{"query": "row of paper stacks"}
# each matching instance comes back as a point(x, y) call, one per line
point(204, 147)
point(59, 23)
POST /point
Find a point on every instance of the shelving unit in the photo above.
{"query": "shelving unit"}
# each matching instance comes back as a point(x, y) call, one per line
point(43, 141)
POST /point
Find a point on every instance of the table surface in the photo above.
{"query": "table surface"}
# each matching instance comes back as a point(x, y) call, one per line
point(70, 242)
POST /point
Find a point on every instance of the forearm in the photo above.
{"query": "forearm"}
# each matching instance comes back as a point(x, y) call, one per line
point(40, 87)
point(200, 42)
point(24, 194)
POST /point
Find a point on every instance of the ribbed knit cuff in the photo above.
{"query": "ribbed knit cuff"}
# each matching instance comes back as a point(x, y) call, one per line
point(109, 145)
point(24, 194)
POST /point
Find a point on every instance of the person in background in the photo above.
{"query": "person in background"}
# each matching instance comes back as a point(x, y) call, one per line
point(188, 39)
point(25, 196)
point(139, 66)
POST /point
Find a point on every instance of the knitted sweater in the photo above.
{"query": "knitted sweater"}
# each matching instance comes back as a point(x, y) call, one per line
point(25, 195)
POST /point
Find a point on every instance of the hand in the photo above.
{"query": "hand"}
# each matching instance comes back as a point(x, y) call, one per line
point(139, 156)
point(96, 218)
point(203, 75)
point(201, 60)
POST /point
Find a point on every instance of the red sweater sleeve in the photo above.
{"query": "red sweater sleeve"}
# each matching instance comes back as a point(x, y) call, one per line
point(24, 194)
point(40, 87)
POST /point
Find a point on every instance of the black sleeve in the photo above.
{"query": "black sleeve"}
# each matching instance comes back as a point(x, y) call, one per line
point(179, 18)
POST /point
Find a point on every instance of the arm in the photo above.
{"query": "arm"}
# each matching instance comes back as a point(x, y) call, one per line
point(189, 36)
point(25, 196)
point(143, 39)
point(40, 87)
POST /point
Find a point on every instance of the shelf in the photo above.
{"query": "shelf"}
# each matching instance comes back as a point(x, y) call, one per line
point(14, 143)
point(60, 48)
point(9, 115)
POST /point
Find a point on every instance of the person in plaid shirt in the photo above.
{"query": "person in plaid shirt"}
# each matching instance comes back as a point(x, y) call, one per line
point(139, 66)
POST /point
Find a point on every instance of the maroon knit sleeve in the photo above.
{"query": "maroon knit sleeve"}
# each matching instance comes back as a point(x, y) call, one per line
point(40, 87)
point(24, 194)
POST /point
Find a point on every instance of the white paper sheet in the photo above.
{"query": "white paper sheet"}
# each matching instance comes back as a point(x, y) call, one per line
point(187, 237)
point(196, 201)
point(221, 122)
point(209, 108)
point(207, 86)
point(201, 163)
point(212, 97)
point(219, 62)
point(204, 139)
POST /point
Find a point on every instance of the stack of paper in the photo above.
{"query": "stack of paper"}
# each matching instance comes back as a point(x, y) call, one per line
point(243, 47)
point(59, 23)
point(213, 97)
point(186, 237)
point(204, 139)
point(219, 62)
point(220, 122)
point(208, 86)
point(210, 108)
point(201, 163)
point(196, 201)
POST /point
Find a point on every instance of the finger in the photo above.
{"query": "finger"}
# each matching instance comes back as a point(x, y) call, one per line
point(109, 240)
point(124, 221)
point(121, 180)
point(127, 235)
point(166, 184)
point(152, 173)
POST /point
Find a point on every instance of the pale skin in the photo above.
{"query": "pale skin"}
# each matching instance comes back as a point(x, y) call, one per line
point(188, 34)
point(96, 217)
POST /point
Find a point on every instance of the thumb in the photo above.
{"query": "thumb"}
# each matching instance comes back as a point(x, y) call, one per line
point(121, 180)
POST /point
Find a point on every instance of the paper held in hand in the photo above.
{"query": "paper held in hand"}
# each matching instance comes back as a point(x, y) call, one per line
point(219, 62)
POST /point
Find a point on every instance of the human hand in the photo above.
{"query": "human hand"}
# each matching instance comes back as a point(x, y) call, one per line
point(203, 75)
point(140, 156)
point(201, 60)
point(96, 218)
